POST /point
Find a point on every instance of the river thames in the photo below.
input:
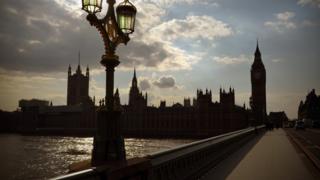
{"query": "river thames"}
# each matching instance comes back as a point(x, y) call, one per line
point(43, 157)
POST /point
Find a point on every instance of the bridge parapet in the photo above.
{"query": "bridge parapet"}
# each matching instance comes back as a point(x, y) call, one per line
point(188, 161)
point(192, 160)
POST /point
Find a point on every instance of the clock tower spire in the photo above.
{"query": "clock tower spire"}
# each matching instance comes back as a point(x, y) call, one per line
point(258, 82)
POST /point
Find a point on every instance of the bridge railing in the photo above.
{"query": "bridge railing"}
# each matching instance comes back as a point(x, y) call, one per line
point(188, 161)
point(192, 160)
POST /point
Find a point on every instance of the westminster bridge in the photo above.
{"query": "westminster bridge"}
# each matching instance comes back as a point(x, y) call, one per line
point(240, 154)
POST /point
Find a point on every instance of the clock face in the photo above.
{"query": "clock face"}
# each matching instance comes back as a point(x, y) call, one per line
point(257, 75)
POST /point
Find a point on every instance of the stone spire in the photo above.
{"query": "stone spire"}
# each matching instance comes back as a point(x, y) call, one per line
point(117, 104)
point(257, 63)
point(116, 93)
point(78, 68)
point(257, 53)
point(87, 71)
point(69, 70)
point(134, 79)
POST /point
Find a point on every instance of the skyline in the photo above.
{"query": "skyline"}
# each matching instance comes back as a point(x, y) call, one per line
point(178, 47)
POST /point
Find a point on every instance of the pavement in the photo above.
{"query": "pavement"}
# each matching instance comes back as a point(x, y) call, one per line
point(270, 156)
point(308, 141)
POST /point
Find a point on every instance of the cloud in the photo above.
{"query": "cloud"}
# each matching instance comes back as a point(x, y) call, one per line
point(282, 22)
point(228, 60)
point(277, 60)
point(45, 36)
point(192, 27)
point(165, 82)
point(144, 84)
point(308, 23)
point(73, 7)
point(34, 42)
point(169, 3)
point(156, 50)
point(285, 16)
point(152, 83)
point(309, 2)
point(16, 85)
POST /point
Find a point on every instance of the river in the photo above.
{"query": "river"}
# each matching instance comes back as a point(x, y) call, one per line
point(43, 157)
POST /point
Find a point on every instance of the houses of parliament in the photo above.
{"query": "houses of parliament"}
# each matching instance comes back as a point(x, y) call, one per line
point(200, 118)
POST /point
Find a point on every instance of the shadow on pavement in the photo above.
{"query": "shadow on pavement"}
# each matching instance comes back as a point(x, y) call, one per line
point(223, 169)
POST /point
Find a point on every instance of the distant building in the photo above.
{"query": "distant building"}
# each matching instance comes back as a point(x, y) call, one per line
point(33, 104)
point(278, 118)
point(309, 110)
point(78, 87)
point(187, 102)
point(203, 118)
point(258, 82)
point(10, 121)
point(79, 114)
point(135, 96)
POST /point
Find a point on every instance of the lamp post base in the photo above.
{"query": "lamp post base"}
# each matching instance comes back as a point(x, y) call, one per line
point(108, 144)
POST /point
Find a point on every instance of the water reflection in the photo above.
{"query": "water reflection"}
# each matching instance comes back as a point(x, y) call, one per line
point(42, 157)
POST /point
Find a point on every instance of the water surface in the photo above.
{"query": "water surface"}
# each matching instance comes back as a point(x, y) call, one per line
point(42, 157)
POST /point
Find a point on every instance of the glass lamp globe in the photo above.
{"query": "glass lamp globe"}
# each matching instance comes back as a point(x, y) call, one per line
point(92, 6)
point(126, 15)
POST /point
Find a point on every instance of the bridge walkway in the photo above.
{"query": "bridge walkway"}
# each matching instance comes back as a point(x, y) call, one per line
point(270, 156)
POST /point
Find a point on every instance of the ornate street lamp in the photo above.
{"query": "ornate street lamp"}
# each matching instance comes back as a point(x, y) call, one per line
point(108, 141)
point(92, 6)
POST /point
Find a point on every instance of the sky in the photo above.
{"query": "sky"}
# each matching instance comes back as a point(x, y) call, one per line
point(178, 46)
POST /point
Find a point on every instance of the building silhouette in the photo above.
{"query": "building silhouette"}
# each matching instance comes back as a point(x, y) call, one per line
point(278, 119)
point(135, 96)
point(258, 91)
point(78, 86)
point(200, 117)
point(309, 110)
point(203, 118)
point(75, 118)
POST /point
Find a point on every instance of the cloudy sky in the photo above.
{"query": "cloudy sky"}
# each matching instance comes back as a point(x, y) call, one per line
point(178, 46)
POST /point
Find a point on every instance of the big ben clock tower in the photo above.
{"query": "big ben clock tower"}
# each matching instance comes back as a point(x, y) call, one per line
point(258, 82)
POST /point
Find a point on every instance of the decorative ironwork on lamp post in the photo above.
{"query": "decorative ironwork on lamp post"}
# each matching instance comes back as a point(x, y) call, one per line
point(108, 141)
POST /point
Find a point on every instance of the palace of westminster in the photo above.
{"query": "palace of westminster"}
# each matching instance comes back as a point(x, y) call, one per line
point(201, 118)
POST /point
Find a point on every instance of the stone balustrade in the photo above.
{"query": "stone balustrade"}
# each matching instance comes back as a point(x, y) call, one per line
point(188, 161)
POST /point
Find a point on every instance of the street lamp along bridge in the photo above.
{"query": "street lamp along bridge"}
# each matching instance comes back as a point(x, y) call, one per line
point(108, 144)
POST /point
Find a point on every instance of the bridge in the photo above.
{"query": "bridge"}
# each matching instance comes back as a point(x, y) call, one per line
point(251, 153)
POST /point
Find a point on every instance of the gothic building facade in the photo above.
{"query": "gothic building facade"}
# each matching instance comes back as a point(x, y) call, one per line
point(309, 110)
point(75, 118)
point(258, 83)
point(78, 87)
point(202, 118)
point(136, 97)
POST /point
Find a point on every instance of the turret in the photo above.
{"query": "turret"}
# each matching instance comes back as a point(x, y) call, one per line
point(87, 71)
point(136, 98)
point(134, 79)
point(117, 104)
point(69, 71)
point(78, 86)
point(146, 98)
point(227, 98)
point(116, 94)
point(78, 68)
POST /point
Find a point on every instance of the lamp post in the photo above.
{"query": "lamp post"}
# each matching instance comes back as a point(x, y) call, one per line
point(108, 142)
